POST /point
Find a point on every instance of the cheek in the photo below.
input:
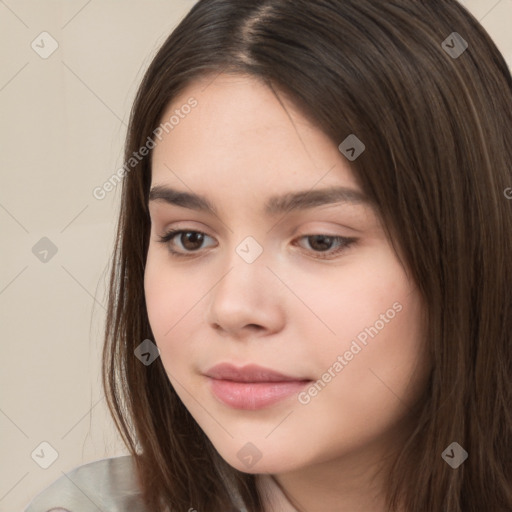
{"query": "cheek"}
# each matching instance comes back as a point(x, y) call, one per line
point(352, 297)
point(158, 295)
point(377, 327)
point(384, 365)
point(166, 298)
point(173, 301)
point(389, 365)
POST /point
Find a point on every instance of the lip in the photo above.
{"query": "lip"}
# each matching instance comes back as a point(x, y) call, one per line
point(251, 387)
point(248, 373)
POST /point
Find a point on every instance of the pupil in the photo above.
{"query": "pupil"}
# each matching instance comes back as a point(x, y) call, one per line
point(325, 242)
point(194, 238)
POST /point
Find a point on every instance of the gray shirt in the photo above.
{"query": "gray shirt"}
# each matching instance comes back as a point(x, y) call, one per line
point(108, 485)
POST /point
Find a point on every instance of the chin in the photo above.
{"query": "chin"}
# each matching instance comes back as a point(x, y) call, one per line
point(275, 462)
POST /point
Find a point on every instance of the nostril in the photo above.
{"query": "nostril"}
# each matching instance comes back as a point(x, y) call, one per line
point(254, 327)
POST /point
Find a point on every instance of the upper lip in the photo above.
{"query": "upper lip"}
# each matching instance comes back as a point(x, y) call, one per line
point(248, 373)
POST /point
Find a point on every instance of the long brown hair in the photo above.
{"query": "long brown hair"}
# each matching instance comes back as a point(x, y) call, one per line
point(435, 117)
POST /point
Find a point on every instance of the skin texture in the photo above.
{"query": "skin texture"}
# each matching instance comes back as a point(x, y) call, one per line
point(289, 310)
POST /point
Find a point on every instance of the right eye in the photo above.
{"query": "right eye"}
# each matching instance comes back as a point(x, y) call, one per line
point(190, 243)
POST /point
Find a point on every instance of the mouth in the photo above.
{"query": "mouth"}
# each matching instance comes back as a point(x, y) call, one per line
point(252, 387)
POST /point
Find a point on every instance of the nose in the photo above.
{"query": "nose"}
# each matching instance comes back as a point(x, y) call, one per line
point(247, 301)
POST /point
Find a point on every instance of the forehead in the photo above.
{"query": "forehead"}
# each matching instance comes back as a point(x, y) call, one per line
point(239, 137)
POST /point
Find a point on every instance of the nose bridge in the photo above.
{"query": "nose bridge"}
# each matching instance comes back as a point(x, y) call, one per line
point(247, 294)
point(247, 270)
point(250, 250)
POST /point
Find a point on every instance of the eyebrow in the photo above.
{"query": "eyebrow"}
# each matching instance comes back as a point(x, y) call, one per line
point(301, 200)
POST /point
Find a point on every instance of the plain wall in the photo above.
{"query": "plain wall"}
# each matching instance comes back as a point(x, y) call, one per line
point(63, 123)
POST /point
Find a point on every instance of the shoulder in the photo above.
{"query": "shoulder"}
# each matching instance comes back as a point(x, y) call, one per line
point(108, 484)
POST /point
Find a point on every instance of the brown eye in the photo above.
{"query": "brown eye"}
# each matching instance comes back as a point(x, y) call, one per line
point(320, 244)
point(191, 240)
point(188, 241)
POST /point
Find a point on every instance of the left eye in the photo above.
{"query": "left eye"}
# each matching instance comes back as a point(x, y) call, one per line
point(191, 242)
point(322, 244)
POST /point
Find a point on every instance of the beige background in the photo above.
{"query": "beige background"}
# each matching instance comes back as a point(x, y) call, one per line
point(63, 123)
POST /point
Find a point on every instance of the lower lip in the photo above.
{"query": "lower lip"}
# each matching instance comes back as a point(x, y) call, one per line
point(254, 395)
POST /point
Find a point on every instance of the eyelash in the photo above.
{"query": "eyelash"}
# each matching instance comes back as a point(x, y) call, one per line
point(345, 243)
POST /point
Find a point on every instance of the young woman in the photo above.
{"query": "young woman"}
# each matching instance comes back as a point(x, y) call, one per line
point(310, 302)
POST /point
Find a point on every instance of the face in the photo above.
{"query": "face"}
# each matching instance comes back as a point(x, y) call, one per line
point(310, 289)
